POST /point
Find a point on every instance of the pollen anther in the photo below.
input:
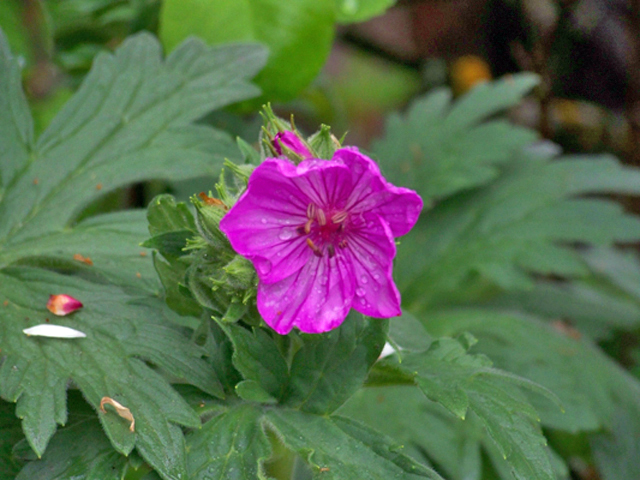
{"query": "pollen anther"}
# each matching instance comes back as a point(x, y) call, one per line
point(307, 226)
point(316, 251)
point(339, 217)
point(322, 219)
point(311, 211)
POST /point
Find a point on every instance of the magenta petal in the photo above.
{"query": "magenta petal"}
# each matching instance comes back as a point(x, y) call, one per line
point(371, 251)
point(400, 207)
point(321, 237)
point(263, 223)
point(316, 299)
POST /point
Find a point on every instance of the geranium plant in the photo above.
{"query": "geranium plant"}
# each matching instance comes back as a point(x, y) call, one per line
point(322, 312)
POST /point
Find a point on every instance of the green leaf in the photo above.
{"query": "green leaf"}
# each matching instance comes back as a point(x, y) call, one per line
point(352, 11)
point(298, 34)
point(11, 21)
point(111, 241)
point(118, 328)
point(129, 121)
point(251, 391)
point(165, 216)
point(171, 225)
point(11, 435)
point(331, 367)
point(442, 148)
point(461, 382)
point(617, 453)
point(257, 358)
point(520, 223)
point(428, 432)
point(590, 386)
point(230, 445)
point(80, 451)
point(592, 306)
point(16, 124)
point(337, 448)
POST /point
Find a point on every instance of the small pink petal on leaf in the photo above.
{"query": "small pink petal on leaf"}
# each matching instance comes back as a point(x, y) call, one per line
point(62, 305)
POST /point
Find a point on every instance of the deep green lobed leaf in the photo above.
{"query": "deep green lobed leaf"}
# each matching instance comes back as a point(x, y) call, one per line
point(337, 448)
point(330, 368)
point(461, 382)
point(129, 121)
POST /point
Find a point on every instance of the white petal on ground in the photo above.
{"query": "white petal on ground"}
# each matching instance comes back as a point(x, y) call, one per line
point(53, 331)
point(386, 351)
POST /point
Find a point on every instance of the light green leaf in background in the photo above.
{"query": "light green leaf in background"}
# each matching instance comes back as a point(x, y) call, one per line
point(603, 302)
point(520, 223)
point(299, 35)
point(439, 148)
point(352, 11)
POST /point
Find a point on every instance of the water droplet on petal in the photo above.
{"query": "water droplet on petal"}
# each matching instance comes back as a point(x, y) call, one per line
point(285, 234)
point(323, 279)
point(264, 220)
point(364, 279)
point(376, 276)
point(363, 301)
point(360, 292)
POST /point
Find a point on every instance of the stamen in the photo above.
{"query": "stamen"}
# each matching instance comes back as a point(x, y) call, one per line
point(339, 217)
point(316, 251)
point(322, 219)
point(307, 226)
point(311, 211)
point(331, 250)
point(343, 244)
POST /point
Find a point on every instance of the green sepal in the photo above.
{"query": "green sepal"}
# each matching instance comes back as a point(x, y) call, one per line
point(323, 143)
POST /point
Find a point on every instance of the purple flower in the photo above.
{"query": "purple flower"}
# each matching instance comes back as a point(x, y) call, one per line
point(320, 236)
point(290, 141)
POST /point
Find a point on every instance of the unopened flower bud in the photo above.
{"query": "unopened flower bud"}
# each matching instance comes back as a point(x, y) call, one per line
point(288, 142)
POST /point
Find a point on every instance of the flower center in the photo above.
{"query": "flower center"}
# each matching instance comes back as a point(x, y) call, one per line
point(325, 229)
